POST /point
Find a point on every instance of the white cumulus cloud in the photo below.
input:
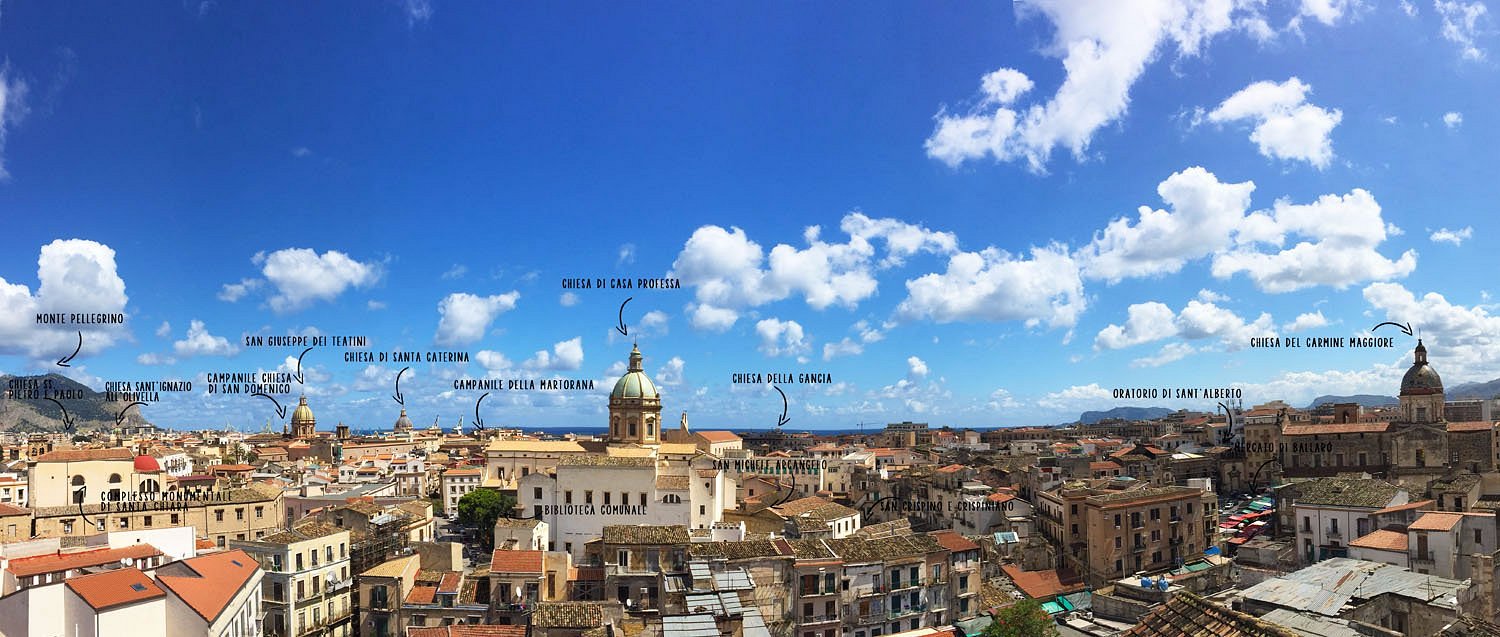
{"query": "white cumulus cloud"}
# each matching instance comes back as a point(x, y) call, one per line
point(1204, 215)
point(1306, 321)
point(1462, 341)
point(1169, 353)
point(565, 356)
point(1339, 236)
point(845, 347)
point(1462, 22)
point(1453, 119)
point(1455, 237)
point(993, 285)
point(75, 275)
point(1199, 320)
point(199, 342)
point(729, 272)
point(1075, 397)
point(301, 277)
point(1285, 125)
point(916, 368)
point(781, 338)
point(1104, 46)
point(464, 317)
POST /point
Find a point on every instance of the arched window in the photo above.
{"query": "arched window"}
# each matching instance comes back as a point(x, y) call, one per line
point(114, 478)
point(650, 427)
point(78, 489)
point(150, 486)
point(672, 498)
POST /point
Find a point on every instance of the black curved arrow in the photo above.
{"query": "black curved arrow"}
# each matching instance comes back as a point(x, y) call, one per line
point(479, 422)
point(869, 507)
point(67, 420)
point(790, 492)
point(299, 365)
point(1405, 328)
point(782, 419)
point(400, 400)
point(85, 491)
point(121, 417)
point(280, 411)
point(624, 331)
point(63, 362)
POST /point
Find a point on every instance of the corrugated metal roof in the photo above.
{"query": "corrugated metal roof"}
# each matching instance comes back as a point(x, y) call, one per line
point(734, 580)
point(689, 626)
point(1310, 624)
point(699, 570)
point(1326, 587)
point(754, 625)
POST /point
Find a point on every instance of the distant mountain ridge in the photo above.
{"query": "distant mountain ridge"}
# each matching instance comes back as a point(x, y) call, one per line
point(1364, 400)
point(1124, 413)
point(1489, 389)
point(89, 411)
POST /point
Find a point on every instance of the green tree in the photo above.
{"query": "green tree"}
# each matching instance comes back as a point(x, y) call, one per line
point(480, 509)
point(1024, 619)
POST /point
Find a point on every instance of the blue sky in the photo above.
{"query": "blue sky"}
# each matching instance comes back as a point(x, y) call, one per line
point(426, 174)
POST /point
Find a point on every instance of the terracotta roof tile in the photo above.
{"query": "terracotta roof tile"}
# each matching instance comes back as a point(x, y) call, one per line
point(80, 455)
point(451, 582)
point(1436, 521)
point(1479, 425)
point(102, 591)
point(673, 483)
point(11, 509)
point(1341, 428)
point(1410, 505)
point(1043, 584)
point(952, 541)
point(568, 615)
point(718, 436)
point(421, 595)
point(1188, 614)
point(468, 630)
point(503, 561)
point(645, 534)
point(1383, 539)
point(217, 578)
point(36, 565)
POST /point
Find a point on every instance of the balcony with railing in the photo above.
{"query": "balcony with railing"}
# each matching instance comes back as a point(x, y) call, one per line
point(516, 607)
point(810, 620)
point(817, 591)
point(322, 623)
point(907, 611)
point(1423, 559)
point(1333, 534)
point(869, 591)
point(898, 585)
point(1138, 548)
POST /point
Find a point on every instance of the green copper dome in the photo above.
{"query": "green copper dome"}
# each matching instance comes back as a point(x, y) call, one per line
point(635, 383)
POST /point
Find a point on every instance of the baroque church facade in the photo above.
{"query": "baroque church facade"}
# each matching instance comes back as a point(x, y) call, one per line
point(1415, 448)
